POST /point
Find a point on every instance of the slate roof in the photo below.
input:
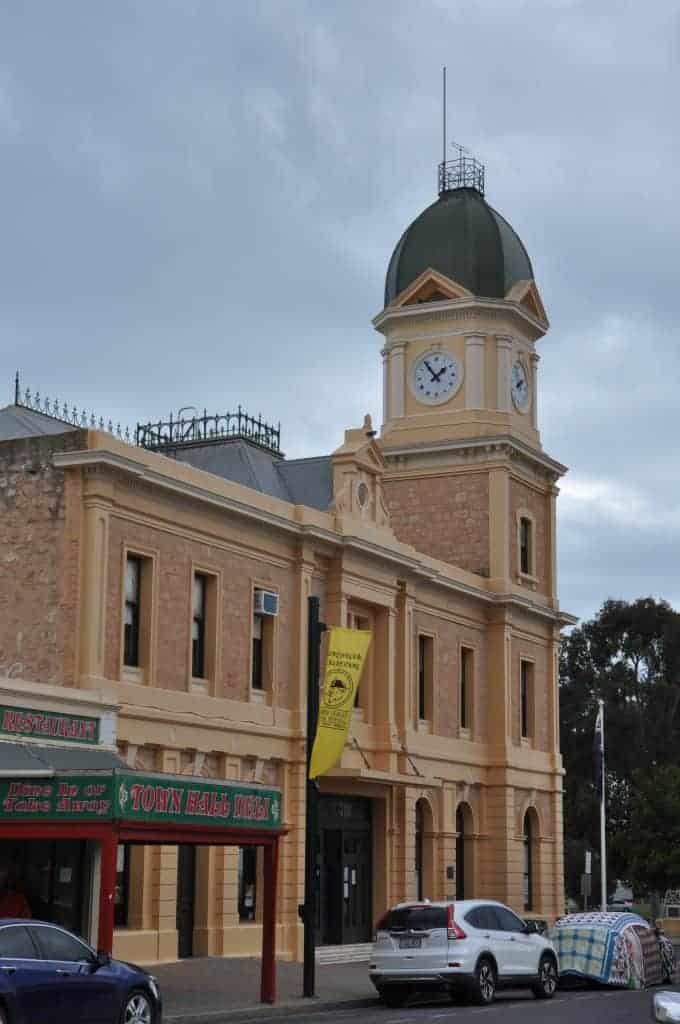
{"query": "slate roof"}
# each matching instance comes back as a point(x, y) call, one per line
point(17, 422)
point(298, 481)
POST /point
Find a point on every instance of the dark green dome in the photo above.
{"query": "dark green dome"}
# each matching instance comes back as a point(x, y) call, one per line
point(464, 238)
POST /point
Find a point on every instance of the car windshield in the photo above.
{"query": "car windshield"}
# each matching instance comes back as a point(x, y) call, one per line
point(416, 917)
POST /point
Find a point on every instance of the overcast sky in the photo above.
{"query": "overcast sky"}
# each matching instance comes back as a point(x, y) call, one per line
point(199, 199)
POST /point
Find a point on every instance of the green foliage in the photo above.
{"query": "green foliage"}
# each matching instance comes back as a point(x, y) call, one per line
point(628, 655)
point(653, 841)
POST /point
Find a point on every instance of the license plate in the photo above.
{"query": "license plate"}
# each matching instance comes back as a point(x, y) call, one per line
point(410, 943)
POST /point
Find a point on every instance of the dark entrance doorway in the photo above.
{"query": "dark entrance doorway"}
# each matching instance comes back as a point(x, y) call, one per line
point(344, 870)
point(186, 888)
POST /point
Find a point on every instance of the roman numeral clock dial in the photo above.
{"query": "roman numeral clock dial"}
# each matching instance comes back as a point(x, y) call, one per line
point(436, 377)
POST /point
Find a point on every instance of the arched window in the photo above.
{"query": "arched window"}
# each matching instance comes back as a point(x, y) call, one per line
point(419, 850)
point(464, 840)
point(424, 852)
point(529, 837)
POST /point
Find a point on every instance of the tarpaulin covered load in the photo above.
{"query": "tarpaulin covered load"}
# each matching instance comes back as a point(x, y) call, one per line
point(611, 948)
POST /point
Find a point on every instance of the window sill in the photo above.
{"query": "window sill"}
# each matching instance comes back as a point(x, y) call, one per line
point(358, 715)
point(528, 579)
point(200, 685)
point(526, 742)
point(424, 726)
point(130, 674)
point(259, 696)
point(465, 734)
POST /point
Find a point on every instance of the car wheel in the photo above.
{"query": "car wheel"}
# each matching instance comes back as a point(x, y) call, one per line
point(484, 985)
point(137, 1009)
point(546, 985)
point(4, 1019)
point(395, 996)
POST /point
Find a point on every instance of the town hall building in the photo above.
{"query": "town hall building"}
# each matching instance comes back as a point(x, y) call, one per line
point(158, 587)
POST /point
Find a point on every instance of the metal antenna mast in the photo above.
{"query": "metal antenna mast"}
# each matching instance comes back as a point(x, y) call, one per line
point(444, 114)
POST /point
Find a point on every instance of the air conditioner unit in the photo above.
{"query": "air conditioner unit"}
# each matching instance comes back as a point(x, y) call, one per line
point(672, 911)
point(266, 602)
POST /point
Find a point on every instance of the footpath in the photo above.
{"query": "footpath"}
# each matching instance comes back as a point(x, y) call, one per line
point(209, 990)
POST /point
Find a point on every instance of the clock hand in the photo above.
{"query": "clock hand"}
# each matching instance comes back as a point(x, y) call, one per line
point(438, 375)
point(432, 373)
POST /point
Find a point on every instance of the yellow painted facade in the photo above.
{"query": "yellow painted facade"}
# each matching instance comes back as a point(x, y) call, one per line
point(422, 543)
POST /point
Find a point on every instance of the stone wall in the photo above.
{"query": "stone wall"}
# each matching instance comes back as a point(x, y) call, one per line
point(39, 560)
point(446, 517)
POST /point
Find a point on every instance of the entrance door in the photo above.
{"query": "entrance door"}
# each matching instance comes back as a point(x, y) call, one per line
point(344, 874)
point(356, 884)
point(186, 887)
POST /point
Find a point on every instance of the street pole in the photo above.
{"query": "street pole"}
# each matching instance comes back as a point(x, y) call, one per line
point(315, 629)
point(603, 823)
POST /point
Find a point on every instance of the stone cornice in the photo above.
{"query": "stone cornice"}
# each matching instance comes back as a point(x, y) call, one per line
point(475, 308)
point(477, 449)
point(400, 557)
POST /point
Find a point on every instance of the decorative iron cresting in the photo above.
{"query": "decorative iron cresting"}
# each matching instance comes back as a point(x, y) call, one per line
point(26, 399)
point(173, 433)
point(463, 172)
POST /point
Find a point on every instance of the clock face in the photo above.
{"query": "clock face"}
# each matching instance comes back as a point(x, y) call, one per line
point(519, 386)
point(436, 377)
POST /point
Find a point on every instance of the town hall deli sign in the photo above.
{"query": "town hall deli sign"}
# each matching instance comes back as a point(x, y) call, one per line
point(131, 796)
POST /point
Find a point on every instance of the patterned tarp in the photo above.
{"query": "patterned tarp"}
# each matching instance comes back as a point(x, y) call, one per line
point(612, 948)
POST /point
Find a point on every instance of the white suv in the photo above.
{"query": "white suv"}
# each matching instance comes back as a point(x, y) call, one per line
point(474, 946)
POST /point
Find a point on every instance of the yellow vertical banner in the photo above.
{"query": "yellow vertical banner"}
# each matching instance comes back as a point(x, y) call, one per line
point(347, 650)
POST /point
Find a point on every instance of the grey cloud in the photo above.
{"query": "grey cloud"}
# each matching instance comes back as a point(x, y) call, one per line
point(199, 201)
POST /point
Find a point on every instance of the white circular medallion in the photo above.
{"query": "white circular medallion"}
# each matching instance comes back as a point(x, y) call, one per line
point(436, 377)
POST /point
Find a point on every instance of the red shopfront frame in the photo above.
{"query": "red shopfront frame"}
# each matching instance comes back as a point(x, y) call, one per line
point(109, 835)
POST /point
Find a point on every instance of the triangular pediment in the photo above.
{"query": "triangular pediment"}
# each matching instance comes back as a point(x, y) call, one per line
point(527, 294)
point(431, 286)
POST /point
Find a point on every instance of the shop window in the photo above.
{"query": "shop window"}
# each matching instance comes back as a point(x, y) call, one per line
point(120, 913)
point(133, 577)
point(247, 883)
point(466, 687)
point(198, 626)
point(526, 699)
point(425, 676)
point(526, 553)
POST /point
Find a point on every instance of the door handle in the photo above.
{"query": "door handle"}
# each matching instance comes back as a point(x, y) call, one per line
point(513, 939)
point(64, 974)
point(8, 970)
point(487, 936)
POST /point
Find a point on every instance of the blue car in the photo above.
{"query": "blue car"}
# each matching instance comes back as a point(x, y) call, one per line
point(50, 976)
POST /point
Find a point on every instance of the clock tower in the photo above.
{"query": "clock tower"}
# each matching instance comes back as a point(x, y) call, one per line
point(467, 480)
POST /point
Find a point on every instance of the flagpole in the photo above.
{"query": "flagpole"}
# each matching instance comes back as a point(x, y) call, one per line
point(603, 823)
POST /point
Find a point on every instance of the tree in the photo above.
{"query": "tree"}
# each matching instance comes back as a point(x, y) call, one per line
point(653, 842)
point(629, 656)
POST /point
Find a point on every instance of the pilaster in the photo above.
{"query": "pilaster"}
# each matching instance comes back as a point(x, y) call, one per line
point(475, 387)
point(503, 371)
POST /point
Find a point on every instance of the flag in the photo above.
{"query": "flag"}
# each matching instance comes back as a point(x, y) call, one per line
point(598, 753)
point(347, 649)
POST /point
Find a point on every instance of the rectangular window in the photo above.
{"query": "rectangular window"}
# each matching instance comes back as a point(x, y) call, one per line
point(257, 681)
point(198, 627)
point(425, 676)
point(133, 578)
point(525, 542)
point(355, 621)
point(526, 697)
point(466, 685)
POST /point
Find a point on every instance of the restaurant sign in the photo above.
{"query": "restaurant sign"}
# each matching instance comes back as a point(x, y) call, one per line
point(192, 801)
point(47, 725)
point(80, 797)
point(130, 796)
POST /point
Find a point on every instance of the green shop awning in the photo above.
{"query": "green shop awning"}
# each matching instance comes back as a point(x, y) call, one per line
point(66, 784)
